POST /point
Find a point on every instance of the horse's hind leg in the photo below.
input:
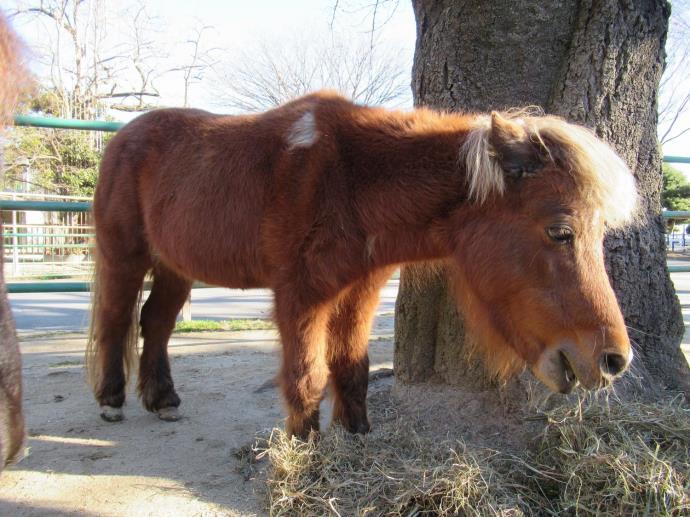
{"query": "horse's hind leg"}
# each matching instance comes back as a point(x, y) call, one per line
point(118, 292)
point(348, 360)
point(158, 315)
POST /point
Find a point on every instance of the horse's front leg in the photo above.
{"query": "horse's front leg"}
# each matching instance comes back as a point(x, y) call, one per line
point(304, 372)
point(347, 350)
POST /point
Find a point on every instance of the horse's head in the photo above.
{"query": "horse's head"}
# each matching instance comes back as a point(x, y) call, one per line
point(529, 249)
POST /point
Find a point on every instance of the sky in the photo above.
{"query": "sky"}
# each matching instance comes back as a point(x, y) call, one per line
point(235, 27)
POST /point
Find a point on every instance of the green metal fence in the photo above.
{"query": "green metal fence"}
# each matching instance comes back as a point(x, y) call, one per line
point(45, 206)
point(56, 206)
point(63, 123)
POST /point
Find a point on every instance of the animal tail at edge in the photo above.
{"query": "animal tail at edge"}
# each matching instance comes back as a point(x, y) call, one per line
point(93, 350)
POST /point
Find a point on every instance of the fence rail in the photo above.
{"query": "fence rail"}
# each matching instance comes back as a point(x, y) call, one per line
point(677, 159)
point(65, 123)
point(45, 206)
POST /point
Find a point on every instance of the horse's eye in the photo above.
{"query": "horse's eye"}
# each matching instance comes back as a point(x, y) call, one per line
point(560, 233)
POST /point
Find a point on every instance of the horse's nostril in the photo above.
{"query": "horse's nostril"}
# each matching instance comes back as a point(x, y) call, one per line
point(613, 364)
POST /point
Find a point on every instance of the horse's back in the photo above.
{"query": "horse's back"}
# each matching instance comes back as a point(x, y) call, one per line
point(191, 187)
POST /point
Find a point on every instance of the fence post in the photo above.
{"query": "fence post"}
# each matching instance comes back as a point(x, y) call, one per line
point(15, 243)
point(187, 308)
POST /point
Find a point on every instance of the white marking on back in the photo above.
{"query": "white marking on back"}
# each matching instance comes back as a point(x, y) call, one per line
point(303, 133)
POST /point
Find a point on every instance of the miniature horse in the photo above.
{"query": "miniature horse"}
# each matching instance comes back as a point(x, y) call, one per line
point(321, 200)
point(14, 81)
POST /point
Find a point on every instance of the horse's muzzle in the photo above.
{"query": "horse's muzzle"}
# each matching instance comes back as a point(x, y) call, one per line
point(563, 366)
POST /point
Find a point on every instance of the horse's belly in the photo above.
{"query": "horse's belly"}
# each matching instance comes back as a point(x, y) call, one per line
point(215, 260)
point(206, 226)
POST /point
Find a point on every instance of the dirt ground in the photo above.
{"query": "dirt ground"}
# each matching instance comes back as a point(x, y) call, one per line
point(81, 465)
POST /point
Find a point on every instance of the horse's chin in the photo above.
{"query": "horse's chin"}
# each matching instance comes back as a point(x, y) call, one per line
point(555, 371)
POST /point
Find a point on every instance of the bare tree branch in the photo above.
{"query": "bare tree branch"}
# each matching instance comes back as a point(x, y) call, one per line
point(199, 62)
point(678, 112)
point(687, 129)
point(335, 11)
point(273, 73)
point(128, 94)
point(674, 101)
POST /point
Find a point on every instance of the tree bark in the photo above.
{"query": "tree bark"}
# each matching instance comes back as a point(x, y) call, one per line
point(594, 62)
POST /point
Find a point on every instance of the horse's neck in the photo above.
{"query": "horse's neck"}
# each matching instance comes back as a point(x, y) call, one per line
point(411, 187)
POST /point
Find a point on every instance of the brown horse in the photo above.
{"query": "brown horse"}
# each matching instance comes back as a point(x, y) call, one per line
point(320, 200)
point(13, 79)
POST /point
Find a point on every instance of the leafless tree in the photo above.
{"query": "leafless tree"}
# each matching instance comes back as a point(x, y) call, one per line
point(143, 53)
point(200, 61)
point(674, 89)
point(86, 64)
point(377, 12)
point(77, 58)
point(275, 72)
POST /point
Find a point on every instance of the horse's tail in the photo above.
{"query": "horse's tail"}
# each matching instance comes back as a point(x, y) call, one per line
point(93, 361)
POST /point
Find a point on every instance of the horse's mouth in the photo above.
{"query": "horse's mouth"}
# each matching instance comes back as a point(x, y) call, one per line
point(569, 380)
point(556, 371)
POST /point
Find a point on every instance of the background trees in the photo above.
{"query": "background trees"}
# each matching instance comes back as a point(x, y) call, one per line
point(99, 58)
point(82, 70)
point(676, 190)
point(271, 73)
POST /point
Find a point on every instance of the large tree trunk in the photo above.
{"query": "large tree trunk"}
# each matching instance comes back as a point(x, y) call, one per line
point(597, 63)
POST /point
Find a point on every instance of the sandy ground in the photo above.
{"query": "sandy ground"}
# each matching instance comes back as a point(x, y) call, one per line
point(81, 465)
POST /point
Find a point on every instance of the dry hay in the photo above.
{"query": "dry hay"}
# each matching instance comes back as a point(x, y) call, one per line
point(624, 459)
point(592, 459)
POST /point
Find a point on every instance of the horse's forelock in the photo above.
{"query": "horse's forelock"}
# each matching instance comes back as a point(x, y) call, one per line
point(603, 177)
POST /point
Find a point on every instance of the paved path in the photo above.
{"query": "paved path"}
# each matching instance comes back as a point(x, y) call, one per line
point(70, 311)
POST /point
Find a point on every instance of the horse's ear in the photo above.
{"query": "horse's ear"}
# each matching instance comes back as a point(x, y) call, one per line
point(512, 147)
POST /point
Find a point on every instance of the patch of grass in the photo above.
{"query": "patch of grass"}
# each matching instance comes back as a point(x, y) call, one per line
point(197, 326)
point(226, 325)
point(620, 459)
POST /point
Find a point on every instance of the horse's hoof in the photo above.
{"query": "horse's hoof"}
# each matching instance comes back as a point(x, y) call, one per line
point(362, 428)
point(112, 414)
point(169, 414)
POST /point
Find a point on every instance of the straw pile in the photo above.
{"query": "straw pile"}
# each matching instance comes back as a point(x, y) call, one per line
point(610, 459)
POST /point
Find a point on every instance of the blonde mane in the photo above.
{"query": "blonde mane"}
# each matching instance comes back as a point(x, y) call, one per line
point(602, 176)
